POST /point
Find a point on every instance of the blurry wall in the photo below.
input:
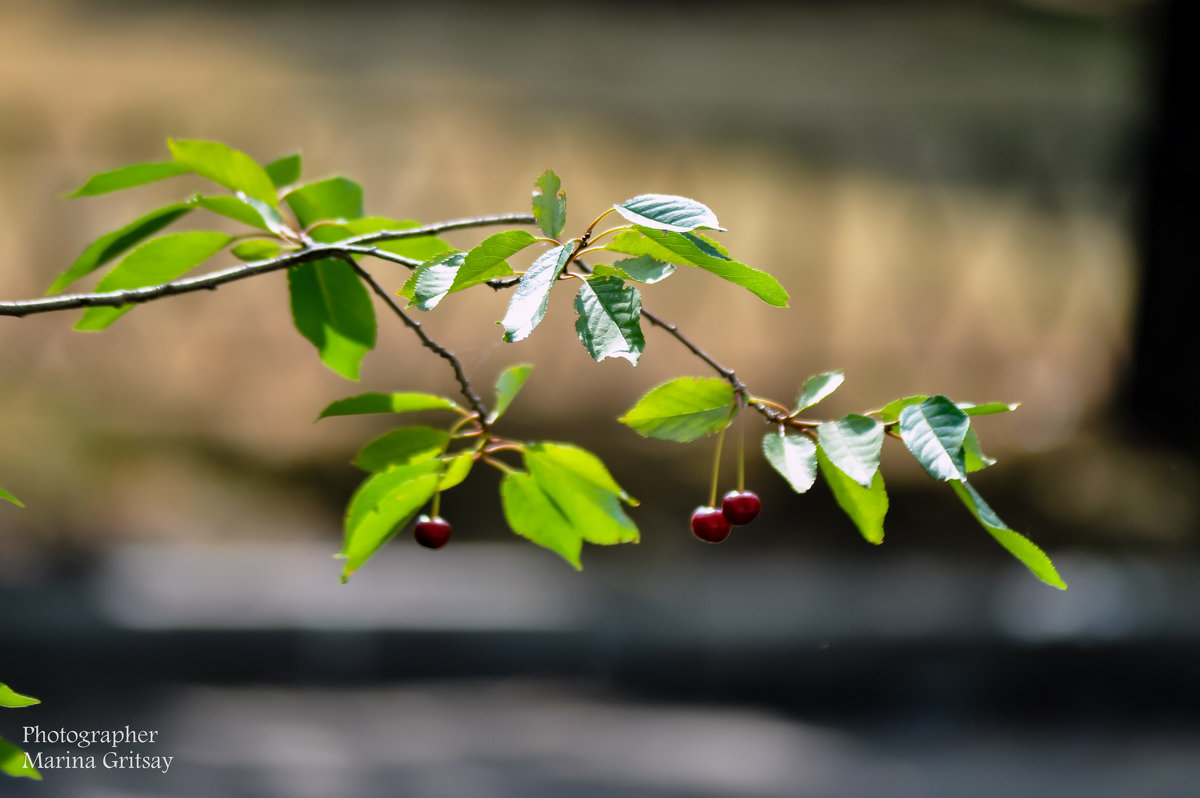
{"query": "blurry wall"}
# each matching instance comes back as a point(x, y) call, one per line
point(944, 188)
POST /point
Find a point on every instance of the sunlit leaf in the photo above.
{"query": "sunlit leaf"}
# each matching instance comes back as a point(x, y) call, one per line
point(387, 403)
point(527, 307)
point(853, 444)
point(1017, 544)
point(817, 387)
point(579, 463)
point(13, 700)
point(456, 469)
point(794, 456)
point(866, 507)
point(532, 514)
point(157, 261)
point(550, 204)
point(641, 270)
point(891, 411)
point(110, 245)
point(667, 212)
point(691, 249)
point(610, 315)
point(432, 280)
point(683, 409)
point(974, 457)
point(8, 497)
point(489, 260)
point(382, 504)
point(404, 446)
point(335, 198)
point(934, 431)
point(284, 171)
point(589, 507)
point(244, 209)
point(12, 762)
point(225, 166)
point(420, 248)
point(137, 174)
point(256, 249)
point(332, 309)
point(508, 385)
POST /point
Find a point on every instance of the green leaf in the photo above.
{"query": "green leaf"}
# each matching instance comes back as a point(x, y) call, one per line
point(157, 261)
point(866, 507)
point(387, 403)
point(488, 260)
point(794, 456)
point(1017, 544)
point(137, 174)
point(284, 171)
point(244, 209)
point(432, 280)
point(456, 469)
point(8, 497)
point(532, 514)
point(550, 204)
point(610, 319)
point(527, 307)
point(256, 249)
point(891, 411)
point(667, 212)
point(12, 762)
point(853, 444)
point(691, 249)
point(817, 387)
point(13, 700)
point(417, 247)
point(332, 309)
point(381, 505)
point(110, 245)
point(591, 509)
point(403, 446)
point(225, 166)
point(579, 463)
point(508, 385)
point(641, 270)
point(683, 409)
point(331, 199)
point(974, 457)
point(934, 431)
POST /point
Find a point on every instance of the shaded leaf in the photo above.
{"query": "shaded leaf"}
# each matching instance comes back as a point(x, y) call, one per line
point(550, 204)
point(641, 270)
point(382, 504)
point(403, 446)
point(331, 199)
point(110, 245)
point(610, 316)
point(244, 209)
point(527, 307)
point(684, 409)
point(225, 166)
point(793, 456)
point(508, 385)
point(667, 212)
point(386, 403)
point(157, 261)
point(691, 249)
point(332, 309)
point(866, 507)
point(934, 431)
point(532, 514)
point(8, 497)
point(1017, 544)
point(12, 762)
point(853, 444)
point(256, 249)
point(284, 171)
point(137, 174)
point(817, 387)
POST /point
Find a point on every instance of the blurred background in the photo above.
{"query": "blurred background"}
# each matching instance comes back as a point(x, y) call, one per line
point(986, 199)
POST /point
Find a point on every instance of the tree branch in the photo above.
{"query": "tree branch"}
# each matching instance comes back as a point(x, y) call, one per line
point(463, 382)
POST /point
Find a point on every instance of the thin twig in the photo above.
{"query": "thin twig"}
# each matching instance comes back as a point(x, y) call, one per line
point(463, 382)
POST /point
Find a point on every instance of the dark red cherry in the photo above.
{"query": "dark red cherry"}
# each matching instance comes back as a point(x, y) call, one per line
point(710, 525)
point(432, 533)
point(740, 507)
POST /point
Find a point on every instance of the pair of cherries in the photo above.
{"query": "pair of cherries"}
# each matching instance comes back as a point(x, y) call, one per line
point(738, 507)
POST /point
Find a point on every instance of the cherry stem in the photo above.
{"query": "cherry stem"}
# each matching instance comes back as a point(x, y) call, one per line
point(716, 469)
point(437, 504)
point(741, 483)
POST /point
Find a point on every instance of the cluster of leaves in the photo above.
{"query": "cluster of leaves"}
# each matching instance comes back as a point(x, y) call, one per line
point(12, 759)
point(560, 496)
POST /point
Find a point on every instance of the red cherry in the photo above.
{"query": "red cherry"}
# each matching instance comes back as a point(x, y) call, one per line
point(432, 533)
point(740, 507)
point(710, 525)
